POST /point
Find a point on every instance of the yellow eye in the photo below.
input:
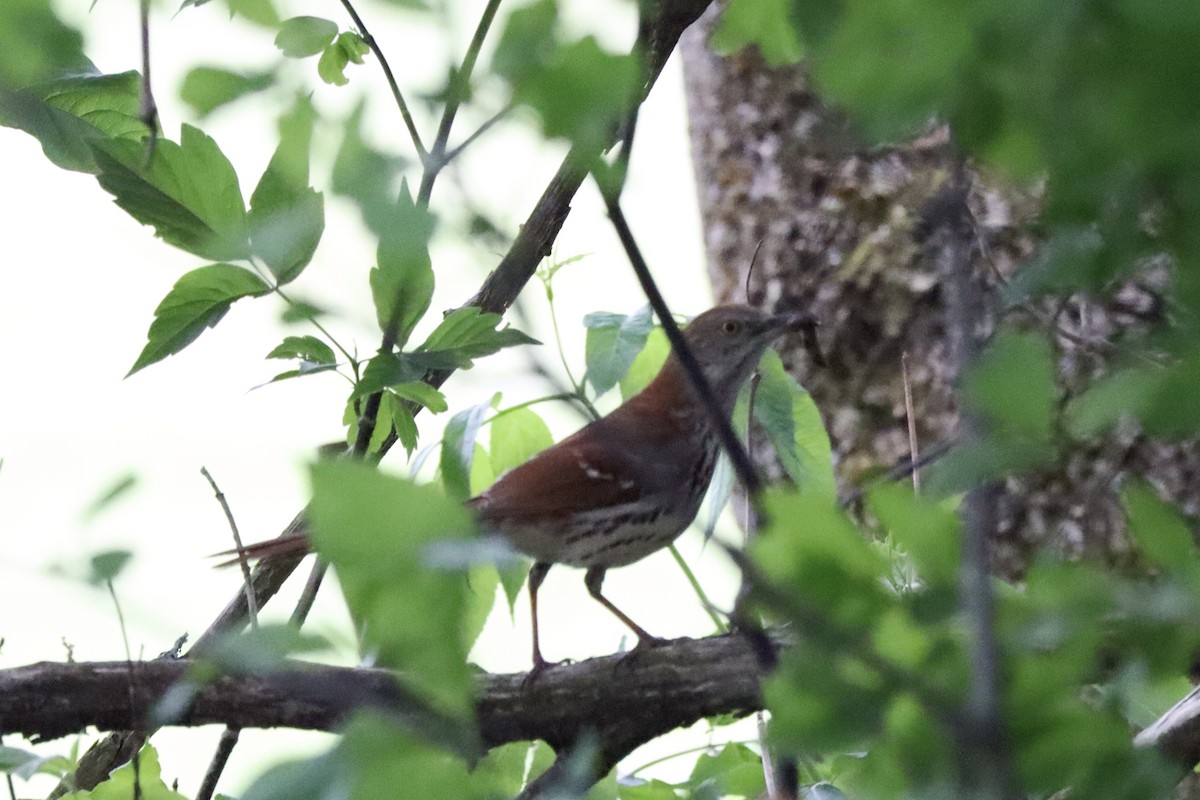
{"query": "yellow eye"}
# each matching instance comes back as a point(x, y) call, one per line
point(731, 326)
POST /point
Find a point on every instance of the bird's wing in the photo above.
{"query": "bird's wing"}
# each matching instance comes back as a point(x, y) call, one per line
point(591, 470)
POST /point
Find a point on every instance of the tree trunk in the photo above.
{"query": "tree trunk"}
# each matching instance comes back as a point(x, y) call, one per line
point(843, 231)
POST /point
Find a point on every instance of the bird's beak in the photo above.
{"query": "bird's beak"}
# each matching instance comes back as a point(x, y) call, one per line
point(795, 321)
point(802, 323)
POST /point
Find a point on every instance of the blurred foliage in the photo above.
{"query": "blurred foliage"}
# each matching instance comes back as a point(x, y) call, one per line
point(1097, 97)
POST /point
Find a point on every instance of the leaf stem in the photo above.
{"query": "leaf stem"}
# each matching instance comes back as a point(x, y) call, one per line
point(391, 79)
point(698, 589)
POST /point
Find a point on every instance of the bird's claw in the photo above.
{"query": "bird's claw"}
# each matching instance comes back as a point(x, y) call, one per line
point(541, 665)
point(645, 643)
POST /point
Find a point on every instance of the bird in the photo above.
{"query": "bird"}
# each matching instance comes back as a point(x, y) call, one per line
point(627, 484)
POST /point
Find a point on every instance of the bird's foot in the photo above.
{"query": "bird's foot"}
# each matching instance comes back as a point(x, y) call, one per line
point(645, 644)
point(541, 665)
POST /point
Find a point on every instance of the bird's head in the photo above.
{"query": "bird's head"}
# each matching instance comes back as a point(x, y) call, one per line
point(729, 340)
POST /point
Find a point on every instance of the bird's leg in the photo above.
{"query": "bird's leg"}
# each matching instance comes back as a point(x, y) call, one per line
point(537, 574)
point(593, 580)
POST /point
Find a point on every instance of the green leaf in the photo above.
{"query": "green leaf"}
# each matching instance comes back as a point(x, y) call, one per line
point(734, 770)
point(420, 392)
point(1013, 387)
point(793, 424)
point(1162, 535)
point(517, 435)
point(189, 192)
point(402, 283)
point(824, 791)
point(287, 217)
point(118, 489)
point(305, 348)
point(104, 567)
point(647, 364)
point(613, 342)
point(481, 597)
point(36, 45)
point(197, 301)
point(260, 12)
point(512, 579)
point(582, 92)
point(12, 758)
point(349, 48)
point(355, 46)
point(458, 448)
point(367, 176)
point(308, 779)
point(331, 67)
point(206, 89)
point(301, 37)
point(391, 416)
point(464, 335)
point(768, 24)
point(527, 40)
point(69, 115)
point(1127, 391)
point(305, 368)
point(925, 530)
point(263, 649)
point(377, 531)
point(301, 311)
point(384, 370)
point(58, 766)
point(650, 790)
point(502, 771)
point(140, 778)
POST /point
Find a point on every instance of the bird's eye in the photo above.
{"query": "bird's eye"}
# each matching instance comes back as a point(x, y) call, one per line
point(731, 326)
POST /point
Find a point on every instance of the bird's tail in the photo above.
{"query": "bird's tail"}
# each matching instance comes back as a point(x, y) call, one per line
point(287, 544)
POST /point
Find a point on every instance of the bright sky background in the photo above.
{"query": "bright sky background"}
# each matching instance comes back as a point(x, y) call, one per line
point(80, 283)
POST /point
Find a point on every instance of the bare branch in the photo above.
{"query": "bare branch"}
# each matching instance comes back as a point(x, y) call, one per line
point(251, 603)
point(986, 757)
point(668, 687)
point(460, 85)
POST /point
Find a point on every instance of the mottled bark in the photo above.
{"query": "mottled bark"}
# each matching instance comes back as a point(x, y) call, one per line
point(839, 229)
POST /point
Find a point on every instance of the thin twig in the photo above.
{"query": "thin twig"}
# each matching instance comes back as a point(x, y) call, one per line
point(748, 531)
point(397, 95)
point(902, 469)
point(432, 166)
point(12, 790)
point(768, 766)
point(243, 562)
point(913, 451)
point(229, 740)
point(456, 151)
point(309, 595)
point(134, 723)
point(148, 109)
point(987, 767)
point(460, 83)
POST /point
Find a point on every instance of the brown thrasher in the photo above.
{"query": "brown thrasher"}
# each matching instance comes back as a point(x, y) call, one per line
point(629, 483)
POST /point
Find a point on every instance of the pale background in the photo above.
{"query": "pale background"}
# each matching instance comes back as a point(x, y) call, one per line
point(79, 285)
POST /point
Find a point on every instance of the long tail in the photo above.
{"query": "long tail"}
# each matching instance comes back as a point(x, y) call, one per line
point(288, 544)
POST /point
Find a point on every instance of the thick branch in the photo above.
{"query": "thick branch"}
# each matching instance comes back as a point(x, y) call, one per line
point(628, 702)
